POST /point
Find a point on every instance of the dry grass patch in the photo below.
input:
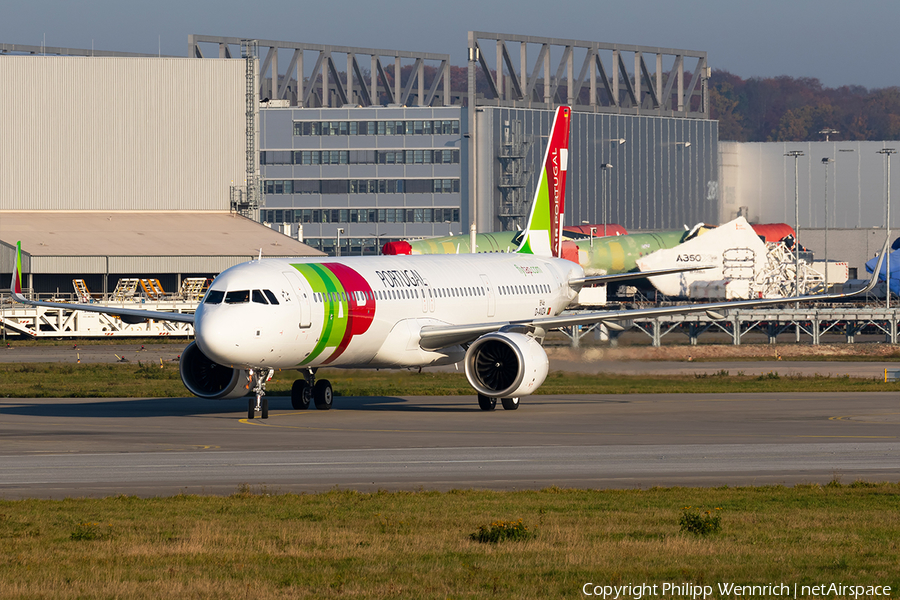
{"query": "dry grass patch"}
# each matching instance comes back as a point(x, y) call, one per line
point(383, 545)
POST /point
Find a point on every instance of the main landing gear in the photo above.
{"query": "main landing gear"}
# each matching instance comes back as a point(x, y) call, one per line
point(308, 388)
point(489, 403)
point(258, 402)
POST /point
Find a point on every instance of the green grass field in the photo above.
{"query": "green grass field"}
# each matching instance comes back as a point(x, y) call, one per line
point(258, 544)
point(150, 380)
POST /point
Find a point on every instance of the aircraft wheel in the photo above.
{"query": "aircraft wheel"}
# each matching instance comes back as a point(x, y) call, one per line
point(323, 394)
point(486, 403)
point(265, 407)
point(301, 394)
point(251, 407)
point(510, 403)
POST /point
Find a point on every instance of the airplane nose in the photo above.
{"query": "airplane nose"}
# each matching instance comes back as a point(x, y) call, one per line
point(214, 332)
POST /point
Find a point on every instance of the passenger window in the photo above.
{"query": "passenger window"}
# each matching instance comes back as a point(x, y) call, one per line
point(237, 297)
point(271, 296)
point(258, 297)
point(214, 297)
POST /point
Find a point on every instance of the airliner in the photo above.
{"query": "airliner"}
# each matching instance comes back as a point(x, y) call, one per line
point(488, 311)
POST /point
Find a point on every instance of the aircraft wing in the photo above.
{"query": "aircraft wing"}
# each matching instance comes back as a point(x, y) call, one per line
point(128, 315)
point(437, 337)
point(633, 275)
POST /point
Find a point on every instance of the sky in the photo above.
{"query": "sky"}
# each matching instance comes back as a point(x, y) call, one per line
point(835, 41)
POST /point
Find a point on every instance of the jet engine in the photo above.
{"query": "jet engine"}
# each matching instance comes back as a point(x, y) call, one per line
point(207, 379)
point(506, 365)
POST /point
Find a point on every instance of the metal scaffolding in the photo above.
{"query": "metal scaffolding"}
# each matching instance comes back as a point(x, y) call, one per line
point(375, 84)
point(606, 81)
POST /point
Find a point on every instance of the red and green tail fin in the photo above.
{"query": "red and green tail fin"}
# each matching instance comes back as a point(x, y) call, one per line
point(543, 234)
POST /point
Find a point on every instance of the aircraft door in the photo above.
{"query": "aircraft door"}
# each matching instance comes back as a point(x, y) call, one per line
point(489, 292)
point(300, 293)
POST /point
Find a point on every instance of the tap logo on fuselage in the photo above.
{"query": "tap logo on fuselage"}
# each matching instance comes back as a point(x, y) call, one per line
point(349, 306)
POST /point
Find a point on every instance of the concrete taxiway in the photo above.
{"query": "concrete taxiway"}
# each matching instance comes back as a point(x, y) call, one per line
point(76, 447)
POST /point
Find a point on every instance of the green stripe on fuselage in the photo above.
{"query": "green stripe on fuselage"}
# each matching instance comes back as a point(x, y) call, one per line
point(323, 281)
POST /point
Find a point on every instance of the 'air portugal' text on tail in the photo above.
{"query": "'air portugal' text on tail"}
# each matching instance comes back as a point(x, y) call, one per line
point(544, 230)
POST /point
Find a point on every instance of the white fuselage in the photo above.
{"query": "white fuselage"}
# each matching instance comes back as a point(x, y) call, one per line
point(368, 311)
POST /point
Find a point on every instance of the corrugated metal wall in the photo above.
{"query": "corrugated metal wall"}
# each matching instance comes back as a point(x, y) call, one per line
point(760, 177)
point(135, 264)
point(664, 175)
point(82, 133)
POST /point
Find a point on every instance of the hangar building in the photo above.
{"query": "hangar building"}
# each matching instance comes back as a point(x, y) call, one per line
point(123, 165)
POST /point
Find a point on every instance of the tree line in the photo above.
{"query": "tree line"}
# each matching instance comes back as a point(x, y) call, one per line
point(789, 109)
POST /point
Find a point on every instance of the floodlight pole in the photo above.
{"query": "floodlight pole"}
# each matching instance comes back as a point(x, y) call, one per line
point(796, 154)
point(887, 152)
point(825, 162)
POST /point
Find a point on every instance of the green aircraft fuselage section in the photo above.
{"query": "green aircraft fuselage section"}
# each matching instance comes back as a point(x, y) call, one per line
point(619, 254)
point(611, 254)
point(500, 241)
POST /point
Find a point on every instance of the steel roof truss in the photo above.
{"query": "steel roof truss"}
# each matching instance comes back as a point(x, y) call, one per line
point(629, 88)
point(332, 70)
point(438, 77)
point(563, 64)
point(414, 75)
point(513, 79)
point(384, 81)
point(651, 87)
point(676, 72)
point(536, 72)
point(265, 65)
point(487, 72)
point(701, 65)
point(613, 99)
point(363, 92)
point(312, 80)
point(282, 89)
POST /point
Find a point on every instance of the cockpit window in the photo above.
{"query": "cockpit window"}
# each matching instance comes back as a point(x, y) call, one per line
point(237, 297)
point(270, 296)
point(214, 297)
point(258, 297)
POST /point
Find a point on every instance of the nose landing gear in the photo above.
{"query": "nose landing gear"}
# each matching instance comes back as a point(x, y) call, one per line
point(258, 402)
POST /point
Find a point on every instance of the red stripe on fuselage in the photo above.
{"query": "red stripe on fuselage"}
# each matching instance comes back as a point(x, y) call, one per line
point(361, 312)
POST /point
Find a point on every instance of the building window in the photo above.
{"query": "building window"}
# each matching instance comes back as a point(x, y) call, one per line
point(360, 186)
point(444, 127)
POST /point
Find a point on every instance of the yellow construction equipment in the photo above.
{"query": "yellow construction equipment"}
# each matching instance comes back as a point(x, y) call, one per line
point(193, 288)
point(153, 289)
point(125, 289)
point(81, 291)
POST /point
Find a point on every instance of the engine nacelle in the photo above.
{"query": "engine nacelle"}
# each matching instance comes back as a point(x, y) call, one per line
point(207, 379)
point(506, 365)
